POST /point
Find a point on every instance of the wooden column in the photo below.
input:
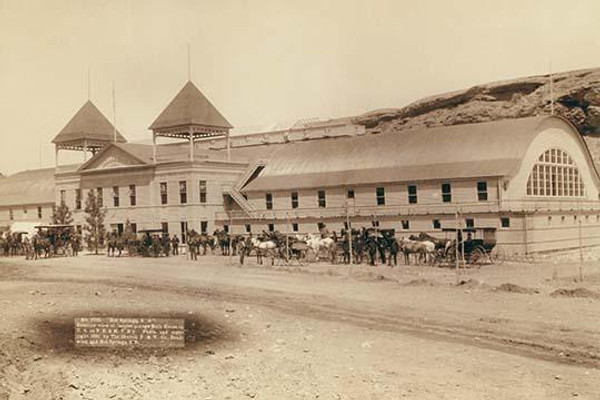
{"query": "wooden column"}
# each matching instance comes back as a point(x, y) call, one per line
point(56, 156)
point(191, 133)
point(154, 147)
point(85, 150)
point(228, 141)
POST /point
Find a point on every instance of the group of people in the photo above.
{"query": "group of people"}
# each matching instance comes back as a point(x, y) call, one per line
point(46, 243)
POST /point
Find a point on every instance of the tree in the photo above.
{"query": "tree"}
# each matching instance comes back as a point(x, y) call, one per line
point(61, 215)
point(95, 231)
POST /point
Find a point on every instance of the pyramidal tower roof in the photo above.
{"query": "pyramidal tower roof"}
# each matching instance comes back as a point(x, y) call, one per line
point(88, 124)
point(190, 107)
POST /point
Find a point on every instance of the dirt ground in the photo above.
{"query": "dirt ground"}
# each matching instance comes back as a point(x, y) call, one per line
point(509, 331)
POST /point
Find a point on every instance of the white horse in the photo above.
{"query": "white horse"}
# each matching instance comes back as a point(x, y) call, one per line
point(422, 249)
point(316, 243)
point(264, 249)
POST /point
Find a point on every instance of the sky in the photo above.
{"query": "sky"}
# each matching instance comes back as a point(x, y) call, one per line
point(265, 61)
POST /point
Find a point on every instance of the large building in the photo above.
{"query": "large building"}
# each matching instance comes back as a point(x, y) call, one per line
point(26, 196)
point(530, 182)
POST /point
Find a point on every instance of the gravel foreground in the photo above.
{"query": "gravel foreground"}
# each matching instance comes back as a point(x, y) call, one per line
point(509, 331)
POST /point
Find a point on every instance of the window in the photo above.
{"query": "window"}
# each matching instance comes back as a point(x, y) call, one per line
point(182, 192)
point(226, 228)
point(405, 224)
point(78, 199)
point(165, 227)
point(375, 223)
point(132, 195)
point(183, 231)
point(100, 197)
point(412, 194)
point(482, 194)
point(322, 199)
point(271, 228)
point(120, 229)
point(294, 199)
point(446, 193)
point(133, 227)
point(350, 194)
point(549, 219)
point(295, 227)
point(269, 201)
point(555, 174)
point(470, 222)
point(202, 192)
point(63, 196)
point(163, 193)
point(436, 224)
point(248, 228)
point(11, 214)
point(203, 226)
point(320, 226)
point(25, 211)
point(39, 210)
point(116, 196)
point(380, 192)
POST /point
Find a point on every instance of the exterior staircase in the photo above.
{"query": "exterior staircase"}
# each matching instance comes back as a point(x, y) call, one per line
point(235, 190)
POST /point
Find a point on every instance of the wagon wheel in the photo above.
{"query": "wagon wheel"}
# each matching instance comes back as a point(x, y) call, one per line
point(499, 255)
point(479, 256)
point(450, 256)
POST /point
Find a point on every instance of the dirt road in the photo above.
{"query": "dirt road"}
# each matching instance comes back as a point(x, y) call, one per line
point(313, 332)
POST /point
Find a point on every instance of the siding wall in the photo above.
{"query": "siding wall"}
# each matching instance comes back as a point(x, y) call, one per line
point(25, 213)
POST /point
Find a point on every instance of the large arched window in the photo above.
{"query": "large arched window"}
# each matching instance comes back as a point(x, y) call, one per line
point(555, 174)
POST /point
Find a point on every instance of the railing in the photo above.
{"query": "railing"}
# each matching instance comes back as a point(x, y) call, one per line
point(358, 211)
point(532, 205)
point(248, 173)
point(374, 212)
point(234, 190)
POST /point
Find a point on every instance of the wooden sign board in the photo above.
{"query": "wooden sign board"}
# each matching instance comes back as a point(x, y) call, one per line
point(129, 332)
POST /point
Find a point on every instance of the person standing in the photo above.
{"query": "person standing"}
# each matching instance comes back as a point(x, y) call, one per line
point(175, 245)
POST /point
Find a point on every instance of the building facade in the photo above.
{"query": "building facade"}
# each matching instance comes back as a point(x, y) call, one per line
point(529, 182)
point(26, 196)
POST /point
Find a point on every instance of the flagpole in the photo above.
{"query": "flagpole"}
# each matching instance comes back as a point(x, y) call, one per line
point(114, 113)
point(551, 91)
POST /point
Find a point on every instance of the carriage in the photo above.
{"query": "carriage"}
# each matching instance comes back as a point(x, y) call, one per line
point(475, 245)
point(144, 246)
point(55, 239)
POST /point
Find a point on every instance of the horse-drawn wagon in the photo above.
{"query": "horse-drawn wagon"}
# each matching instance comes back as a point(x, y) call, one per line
point(54, 239)
point(475, 245)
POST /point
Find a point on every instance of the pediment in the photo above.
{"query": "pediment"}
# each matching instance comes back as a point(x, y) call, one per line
point(112, 157)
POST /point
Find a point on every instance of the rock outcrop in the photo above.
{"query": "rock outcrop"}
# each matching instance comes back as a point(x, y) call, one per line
point(576, 96)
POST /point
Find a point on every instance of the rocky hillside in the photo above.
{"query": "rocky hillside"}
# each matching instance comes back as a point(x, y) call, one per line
point(576, 96)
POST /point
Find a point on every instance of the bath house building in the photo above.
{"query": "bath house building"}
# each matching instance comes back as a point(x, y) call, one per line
point(530, 182)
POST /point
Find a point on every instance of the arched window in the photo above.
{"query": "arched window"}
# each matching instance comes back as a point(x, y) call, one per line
point(556, 175)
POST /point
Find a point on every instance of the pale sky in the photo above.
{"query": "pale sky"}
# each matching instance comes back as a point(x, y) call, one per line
point(265, 61)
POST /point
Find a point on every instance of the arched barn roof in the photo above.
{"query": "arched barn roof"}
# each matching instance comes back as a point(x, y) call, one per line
point(28, 187)
point(445, 152)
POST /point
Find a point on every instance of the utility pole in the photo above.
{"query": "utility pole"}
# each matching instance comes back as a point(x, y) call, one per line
point(456, 244)
point(580, 243)
point(349, 231)
point(287, 238)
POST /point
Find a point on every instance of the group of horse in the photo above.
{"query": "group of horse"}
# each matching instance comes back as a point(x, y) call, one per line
point(373, 246)
point(376, 247)
point(42, 243)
